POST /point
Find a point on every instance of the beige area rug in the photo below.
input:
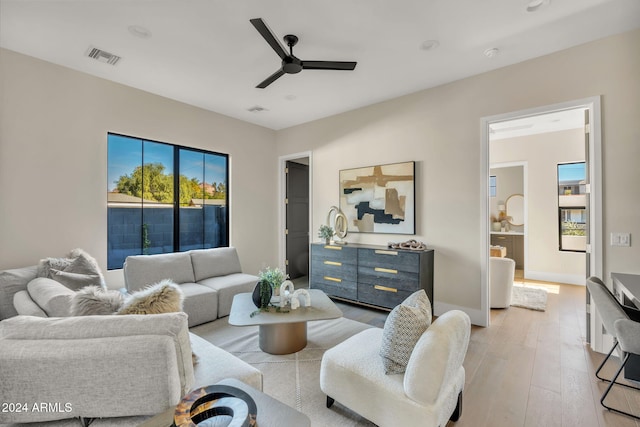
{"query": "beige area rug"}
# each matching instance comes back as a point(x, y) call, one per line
point(293, 379)
point(531, 297)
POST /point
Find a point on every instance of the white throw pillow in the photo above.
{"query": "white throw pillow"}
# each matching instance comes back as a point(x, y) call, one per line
point(52, 297)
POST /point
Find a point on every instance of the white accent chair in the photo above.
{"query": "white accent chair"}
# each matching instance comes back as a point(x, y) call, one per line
point(501, 272)
point(428, 394)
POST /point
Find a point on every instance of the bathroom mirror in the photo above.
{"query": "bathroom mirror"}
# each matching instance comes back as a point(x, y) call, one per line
point(515, 209)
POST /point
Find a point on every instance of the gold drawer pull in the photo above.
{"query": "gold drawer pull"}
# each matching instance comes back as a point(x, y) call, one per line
point(335, 248)
point(381, 252)
point(333, 263)
point(384, 288)
point(332, 279)
point(385, 270)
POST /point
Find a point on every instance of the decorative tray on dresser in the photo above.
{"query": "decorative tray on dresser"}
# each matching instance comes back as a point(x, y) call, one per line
point(369, 274)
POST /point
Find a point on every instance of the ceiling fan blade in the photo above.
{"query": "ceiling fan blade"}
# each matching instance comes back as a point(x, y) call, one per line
point(272, 78)
point(267, 34)
point(328, 65)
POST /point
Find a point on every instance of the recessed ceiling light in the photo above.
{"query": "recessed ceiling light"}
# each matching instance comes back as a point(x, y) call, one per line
point(491, 52)
point(139, 31)
point(429, 44)
point(534, 5)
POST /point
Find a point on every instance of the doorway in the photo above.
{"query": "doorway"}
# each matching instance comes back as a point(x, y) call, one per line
point(295, 214)
point(515, 122)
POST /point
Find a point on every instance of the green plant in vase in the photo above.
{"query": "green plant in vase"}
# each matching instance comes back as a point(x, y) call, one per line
point(325, 232)
point(273, 276)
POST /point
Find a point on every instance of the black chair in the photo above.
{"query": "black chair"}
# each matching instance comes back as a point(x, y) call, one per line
point(623, 323)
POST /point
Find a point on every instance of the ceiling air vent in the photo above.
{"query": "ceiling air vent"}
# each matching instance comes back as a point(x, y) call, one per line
point(257, 109)
point(102, 56)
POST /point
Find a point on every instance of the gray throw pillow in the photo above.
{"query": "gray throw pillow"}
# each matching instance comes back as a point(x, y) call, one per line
point(45, 266)
point(75, 272)
point(75, 281)
point(403, 328)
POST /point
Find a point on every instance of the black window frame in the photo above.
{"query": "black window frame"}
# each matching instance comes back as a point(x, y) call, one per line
point(176, 196)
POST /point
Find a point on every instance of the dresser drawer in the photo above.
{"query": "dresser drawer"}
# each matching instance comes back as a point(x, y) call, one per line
point(343, 254)
point(334, 268)
point(389, 278)
point(335, 287)
point(381, 296)
point(390, 258)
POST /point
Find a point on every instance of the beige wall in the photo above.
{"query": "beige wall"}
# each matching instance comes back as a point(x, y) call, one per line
point(53, 161)
point(543, 152)
point(439, 128)
point(53, 123)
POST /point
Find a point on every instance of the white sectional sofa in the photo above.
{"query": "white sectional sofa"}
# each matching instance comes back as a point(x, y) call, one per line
point(126, 365)
point(209, 279)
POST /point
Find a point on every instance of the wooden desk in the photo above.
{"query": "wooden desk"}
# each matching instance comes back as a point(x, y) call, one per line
point(626, 288)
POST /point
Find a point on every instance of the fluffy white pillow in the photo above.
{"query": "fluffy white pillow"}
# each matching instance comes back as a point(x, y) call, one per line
point(403, 328)
point(93, 301)
point(52, 297)
point(162, 297)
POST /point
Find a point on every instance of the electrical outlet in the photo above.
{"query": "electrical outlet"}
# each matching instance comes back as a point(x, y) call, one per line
point(620, 239)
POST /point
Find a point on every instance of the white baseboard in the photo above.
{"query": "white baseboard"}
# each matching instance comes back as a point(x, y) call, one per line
point(477, 316)
point(572, 279)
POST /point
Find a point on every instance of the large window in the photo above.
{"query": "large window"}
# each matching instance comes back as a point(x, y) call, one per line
point(164, 198)
point(572, 213)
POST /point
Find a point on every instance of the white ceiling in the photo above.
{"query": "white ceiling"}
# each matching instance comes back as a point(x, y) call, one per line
point(206, 53)
point(540, 123)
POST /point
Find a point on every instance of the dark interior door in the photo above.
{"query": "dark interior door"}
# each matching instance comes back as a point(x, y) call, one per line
point(297, 219)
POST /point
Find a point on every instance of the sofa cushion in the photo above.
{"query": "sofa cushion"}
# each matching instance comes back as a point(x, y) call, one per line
point(95, 327)
point(200, 302)
point(94, 301)
point(11, 282)
point(215, 262)
point(215, 364)
point(227, 287)
point(402, 330)
point(25, 306)
point(51, 296)
point(143, 270)
point(162, 297)
point(148, 357)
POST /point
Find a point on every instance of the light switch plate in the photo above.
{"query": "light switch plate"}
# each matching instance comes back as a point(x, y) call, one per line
point(620, 239)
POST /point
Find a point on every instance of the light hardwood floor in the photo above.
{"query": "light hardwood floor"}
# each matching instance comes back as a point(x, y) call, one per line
point(532, 368)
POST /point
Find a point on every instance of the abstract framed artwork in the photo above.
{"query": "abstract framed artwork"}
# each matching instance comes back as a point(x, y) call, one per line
point(379, 199)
